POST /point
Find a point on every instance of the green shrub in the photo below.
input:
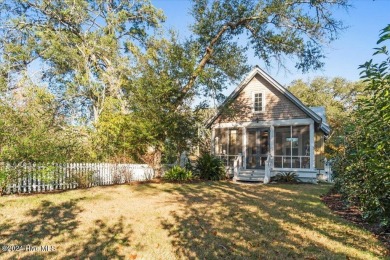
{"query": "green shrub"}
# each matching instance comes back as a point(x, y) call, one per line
point(83, 180)
point(362, 167)
point(210, 167)
point(5, 177)
point(9, 176)
point(290, 177)
point(178, 174)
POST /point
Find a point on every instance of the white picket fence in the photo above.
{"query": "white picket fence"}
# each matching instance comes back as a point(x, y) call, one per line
point(32, 177)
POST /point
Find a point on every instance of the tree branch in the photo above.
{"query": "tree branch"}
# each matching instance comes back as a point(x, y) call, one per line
point(208, 55)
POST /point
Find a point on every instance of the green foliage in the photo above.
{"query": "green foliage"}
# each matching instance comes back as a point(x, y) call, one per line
point(157, 124)
point(83, 180)
point(363, 170)
point(112, 138)
point(122, 93)
point(6, 178)
point(338, 96)
point(289, 177)
point(47, 174)
point(210, 167)
point(173, 73)
point(13, 173)
point(9, 174)
point(274, 29)
point(86, 46)
point(178, 174)
point(31, 129)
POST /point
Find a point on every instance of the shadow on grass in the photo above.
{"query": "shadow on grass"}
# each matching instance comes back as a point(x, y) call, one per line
point(103, 241)
point(57, 223)
point(46, 222)
point(255, 222)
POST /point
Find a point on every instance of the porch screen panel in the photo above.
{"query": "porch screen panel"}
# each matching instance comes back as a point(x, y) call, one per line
point(220, 141)
point(235, 146)
point(239, 141)
point(292, 147)
point(264, 146)
point(300, 146)
point(235, 141)
point(251, 149)
point(282, 147)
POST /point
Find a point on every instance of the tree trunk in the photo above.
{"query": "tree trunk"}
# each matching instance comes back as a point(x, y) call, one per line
point(157, 163)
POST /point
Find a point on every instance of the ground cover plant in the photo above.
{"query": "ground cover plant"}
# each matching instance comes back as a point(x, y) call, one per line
point(210, 167)
point(178, 173)
point(204, 220)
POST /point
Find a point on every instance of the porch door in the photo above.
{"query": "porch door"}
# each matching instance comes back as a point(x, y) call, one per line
point(257, 148)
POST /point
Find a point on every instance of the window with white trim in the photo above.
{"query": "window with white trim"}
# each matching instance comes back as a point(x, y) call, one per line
point(258, 104)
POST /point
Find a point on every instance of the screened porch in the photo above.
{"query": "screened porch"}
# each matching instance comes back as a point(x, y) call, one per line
point(289, 146)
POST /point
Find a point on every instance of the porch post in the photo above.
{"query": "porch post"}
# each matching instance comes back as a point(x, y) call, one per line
point(312, 161)
point(244, 147)
point(212, 141)
point(227, 141)
point(271, 144)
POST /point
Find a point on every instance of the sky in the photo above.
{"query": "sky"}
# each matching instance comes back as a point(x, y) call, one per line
point(355, 45)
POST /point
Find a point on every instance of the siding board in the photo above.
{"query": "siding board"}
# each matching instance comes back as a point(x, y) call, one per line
point(277, 106)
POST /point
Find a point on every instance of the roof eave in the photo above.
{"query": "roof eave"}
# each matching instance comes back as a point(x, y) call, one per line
point(276, 85)
point(325, 128)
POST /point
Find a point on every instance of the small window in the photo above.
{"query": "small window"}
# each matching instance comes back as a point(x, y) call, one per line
point(258, 102)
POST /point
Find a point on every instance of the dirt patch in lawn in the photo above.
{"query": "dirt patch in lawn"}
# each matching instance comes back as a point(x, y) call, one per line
point(352, 213)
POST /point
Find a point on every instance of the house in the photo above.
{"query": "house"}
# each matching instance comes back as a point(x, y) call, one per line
point(262, 129)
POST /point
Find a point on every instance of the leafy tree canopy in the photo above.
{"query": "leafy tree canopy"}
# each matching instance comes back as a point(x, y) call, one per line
point(85, 47)
point(273, 28)
point(105, 63)
point(31, 129)
point(338, 96)
point(363, 170)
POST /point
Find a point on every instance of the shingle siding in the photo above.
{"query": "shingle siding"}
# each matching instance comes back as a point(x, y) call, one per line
point(277, 106)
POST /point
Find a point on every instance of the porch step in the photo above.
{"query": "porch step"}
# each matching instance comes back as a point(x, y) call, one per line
point(249, 178)
point(253, 171)
point(250, 175)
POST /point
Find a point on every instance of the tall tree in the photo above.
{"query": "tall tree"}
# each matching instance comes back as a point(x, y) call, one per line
point(98, 52)
point(172, 73)
point(85, 46)
point(274, 29)
point(363, 170)
point(32, 129)
point(155, 122)
point(338, 96)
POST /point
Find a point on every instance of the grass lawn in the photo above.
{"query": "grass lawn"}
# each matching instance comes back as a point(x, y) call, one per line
point(175, 221)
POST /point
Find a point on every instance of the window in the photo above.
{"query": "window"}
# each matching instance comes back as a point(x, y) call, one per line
point(258, 102)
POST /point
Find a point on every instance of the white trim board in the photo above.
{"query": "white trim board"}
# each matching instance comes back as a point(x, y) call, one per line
point(315, 117)
point(250, 124)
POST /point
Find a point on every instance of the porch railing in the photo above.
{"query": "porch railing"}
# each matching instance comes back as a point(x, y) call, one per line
point(228, 160)
point(295, 161)
point(237, 165)
point(267, 170)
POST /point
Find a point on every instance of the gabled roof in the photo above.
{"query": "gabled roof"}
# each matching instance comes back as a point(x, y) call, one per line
point(324, 124)
point(257, 71)
point(320, 111)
